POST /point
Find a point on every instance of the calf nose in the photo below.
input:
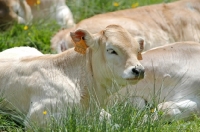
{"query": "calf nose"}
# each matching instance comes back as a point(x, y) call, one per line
point(136, 71)
point(139, 72)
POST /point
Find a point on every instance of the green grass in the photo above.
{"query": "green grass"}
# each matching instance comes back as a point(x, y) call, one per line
point(124, 117)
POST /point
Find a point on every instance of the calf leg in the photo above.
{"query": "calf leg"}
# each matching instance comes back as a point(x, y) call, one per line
point(42, 114)
point(178, 110)
point(25, 14)
point(64, 17)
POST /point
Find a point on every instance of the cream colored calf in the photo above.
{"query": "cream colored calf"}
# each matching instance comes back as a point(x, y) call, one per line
point(157, 24)
point(171, 81)
point(53, 83)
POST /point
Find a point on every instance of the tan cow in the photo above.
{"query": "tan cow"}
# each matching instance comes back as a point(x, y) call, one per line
point(26, 11)
point(157, 24)
point(53, 83)
point(172, 80)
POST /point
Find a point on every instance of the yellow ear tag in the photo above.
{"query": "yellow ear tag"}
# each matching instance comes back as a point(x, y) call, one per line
point(80, 46)
point(139, 56)
point(33, 2)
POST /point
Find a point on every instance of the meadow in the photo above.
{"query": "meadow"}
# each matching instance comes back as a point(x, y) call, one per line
point(125, 118)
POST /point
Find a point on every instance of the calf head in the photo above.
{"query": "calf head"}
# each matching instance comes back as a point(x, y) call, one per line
point(113, 54)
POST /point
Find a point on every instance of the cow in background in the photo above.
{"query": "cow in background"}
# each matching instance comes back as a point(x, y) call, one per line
point(26, 11)
point(158, 24)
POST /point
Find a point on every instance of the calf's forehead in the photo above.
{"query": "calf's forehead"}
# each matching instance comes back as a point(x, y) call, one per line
point(121, 38)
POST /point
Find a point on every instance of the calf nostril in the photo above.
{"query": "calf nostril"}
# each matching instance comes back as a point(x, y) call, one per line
point(134, 70)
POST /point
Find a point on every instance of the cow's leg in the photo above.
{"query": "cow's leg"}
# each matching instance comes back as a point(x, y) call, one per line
point(178, 110)
point(36, 115)
point(21, 20)
point(42, 114)
point(25, 15)
point(64, 17)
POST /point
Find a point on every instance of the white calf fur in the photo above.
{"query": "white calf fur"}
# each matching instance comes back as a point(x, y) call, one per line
point(54, 83)
point(178, 110)
point(19, 52)
point(171, 80)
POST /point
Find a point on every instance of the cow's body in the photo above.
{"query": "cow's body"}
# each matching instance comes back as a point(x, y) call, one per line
point(54, 83)
point(157, 24)
point(26, 11)
point(172, 80)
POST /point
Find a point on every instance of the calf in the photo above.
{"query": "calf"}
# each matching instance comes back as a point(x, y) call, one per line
point(53, 83)
point(171, 80)
point(157, 24)
point(26, 11)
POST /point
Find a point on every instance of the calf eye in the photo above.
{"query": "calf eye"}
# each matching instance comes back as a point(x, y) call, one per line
point(111, 51)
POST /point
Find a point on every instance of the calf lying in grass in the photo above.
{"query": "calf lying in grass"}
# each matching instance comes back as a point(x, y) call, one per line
point(171, 82)
point(45, 86)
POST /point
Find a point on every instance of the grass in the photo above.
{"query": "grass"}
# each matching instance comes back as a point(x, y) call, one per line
point(124, 117)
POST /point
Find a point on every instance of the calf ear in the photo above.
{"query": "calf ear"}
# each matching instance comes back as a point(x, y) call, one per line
point(82, 39)
point(140, 40)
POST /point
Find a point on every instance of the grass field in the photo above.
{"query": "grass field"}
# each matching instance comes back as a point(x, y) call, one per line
point(124, 117)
